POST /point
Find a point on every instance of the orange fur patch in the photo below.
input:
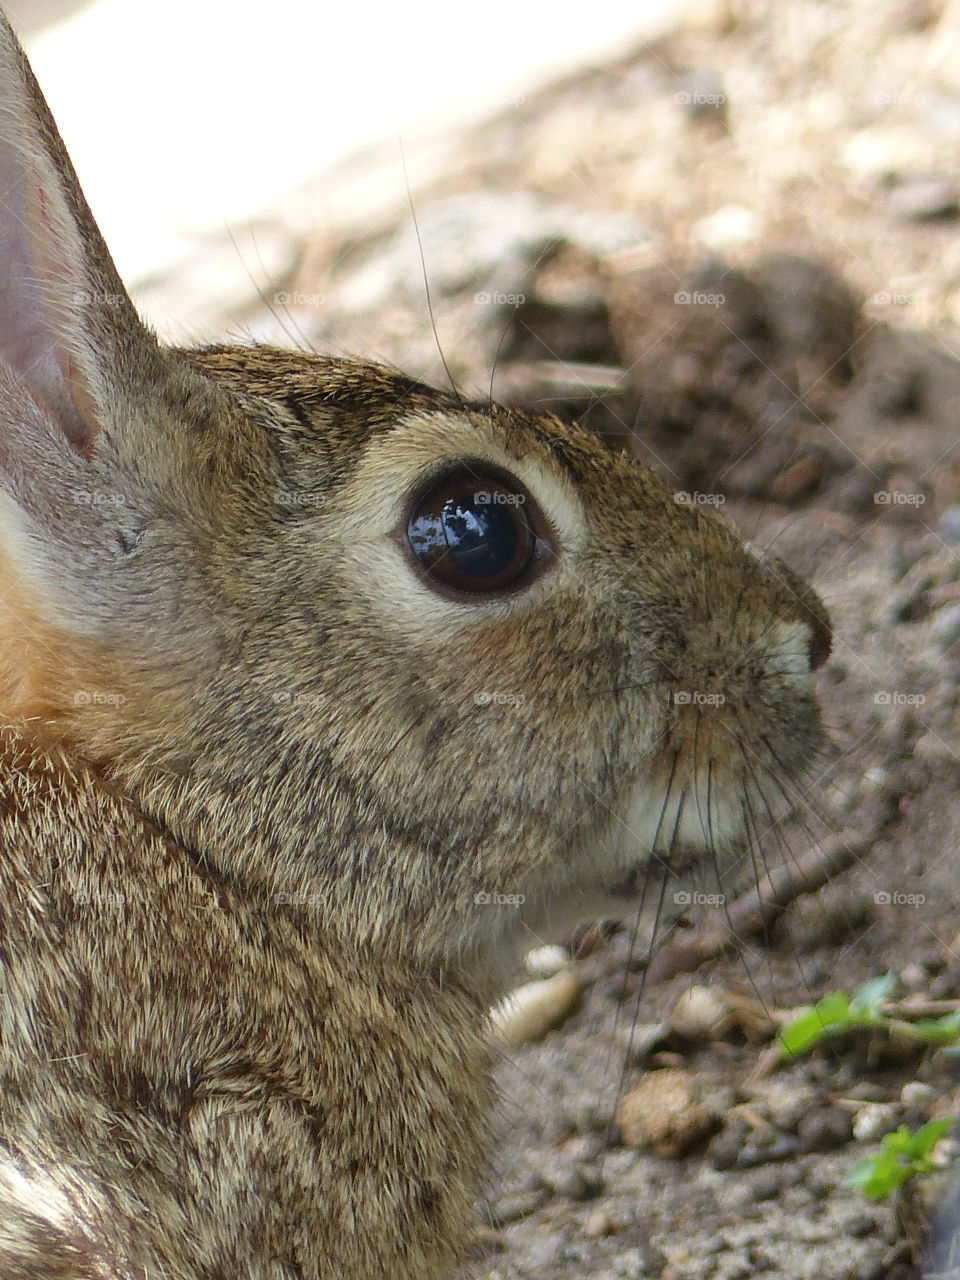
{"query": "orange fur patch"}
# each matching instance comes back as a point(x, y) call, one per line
point(34, 654)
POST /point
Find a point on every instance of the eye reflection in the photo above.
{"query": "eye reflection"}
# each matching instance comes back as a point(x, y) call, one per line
point(471, 531)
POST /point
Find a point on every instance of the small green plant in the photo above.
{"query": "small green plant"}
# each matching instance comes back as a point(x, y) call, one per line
point(901, 1156)
point(839, 1012)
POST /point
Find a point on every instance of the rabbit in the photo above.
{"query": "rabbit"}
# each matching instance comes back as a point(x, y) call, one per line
point(321, 691)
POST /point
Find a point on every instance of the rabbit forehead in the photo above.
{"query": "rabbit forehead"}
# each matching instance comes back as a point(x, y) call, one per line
point(395, 463)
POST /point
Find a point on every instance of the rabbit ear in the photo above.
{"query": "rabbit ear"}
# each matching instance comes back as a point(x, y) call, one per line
point(70, 339)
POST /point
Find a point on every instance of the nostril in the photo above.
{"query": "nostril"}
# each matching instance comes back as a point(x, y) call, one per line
point(821, 642)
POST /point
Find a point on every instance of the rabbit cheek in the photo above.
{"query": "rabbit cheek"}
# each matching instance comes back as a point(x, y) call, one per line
point(28, 649)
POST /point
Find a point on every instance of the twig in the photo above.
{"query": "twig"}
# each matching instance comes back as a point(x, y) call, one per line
point(757, 910)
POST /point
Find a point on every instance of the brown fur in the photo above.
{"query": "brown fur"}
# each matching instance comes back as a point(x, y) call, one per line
point(251, 796)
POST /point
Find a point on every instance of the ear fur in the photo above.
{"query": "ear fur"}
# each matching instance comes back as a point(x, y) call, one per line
point(70, 338)
point(97, 423)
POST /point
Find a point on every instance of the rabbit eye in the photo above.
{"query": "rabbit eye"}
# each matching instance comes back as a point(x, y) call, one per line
point(475, 531)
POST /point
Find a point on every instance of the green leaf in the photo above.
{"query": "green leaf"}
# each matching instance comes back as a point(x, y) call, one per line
point(869, 997)
point(877, 1175)
point(900, 1141)
point(901, 1156)
point(808, 1028)
point(939, 1031)
point(925, 1139)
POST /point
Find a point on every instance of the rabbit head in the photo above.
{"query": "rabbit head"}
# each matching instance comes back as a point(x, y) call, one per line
point(433, 672)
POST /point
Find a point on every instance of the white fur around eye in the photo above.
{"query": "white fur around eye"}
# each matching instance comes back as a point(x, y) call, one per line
point(372, 508)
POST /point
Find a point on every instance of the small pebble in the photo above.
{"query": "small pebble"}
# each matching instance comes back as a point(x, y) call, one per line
point(514, 1207)
point(617, 1163)
point(701, 94)
point(542, 1254)
point(597, 1224)
point(824, 1130)
point(948, 525)
point(766, 1185)
point(782, 1147)
point(641, 1041)
point(861, 1226)
point(665, 1112)
point(588, 1147)
point(532, 1010)
point(573, 1183)
point(724, 1151)
point(921, 198)
point(785, 1102)
point(917, 1094)
point(727, 227)
point(698, 1015)
point(544, 962)
point(798, 479)
point(913, 976)
point(873, 1121)
point(946, 625)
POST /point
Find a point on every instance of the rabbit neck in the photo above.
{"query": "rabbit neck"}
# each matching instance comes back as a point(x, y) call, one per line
point(211, 1015)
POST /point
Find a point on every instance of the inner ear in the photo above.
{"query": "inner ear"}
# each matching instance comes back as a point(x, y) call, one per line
point(69, 334)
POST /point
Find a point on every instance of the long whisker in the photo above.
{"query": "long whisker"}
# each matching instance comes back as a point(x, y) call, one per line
point(643, 977)
point(299, 339)
point(638, 917)
point(426, 280)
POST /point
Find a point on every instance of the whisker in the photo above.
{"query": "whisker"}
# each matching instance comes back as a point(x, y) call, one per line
point(298, 338)
point(634, 933)
point(496, 356)
point(643, 977)
point(426, 281)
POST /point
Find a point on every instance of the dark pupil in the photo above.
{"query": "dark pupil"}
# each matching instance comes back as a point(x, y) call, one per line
point(472, 536)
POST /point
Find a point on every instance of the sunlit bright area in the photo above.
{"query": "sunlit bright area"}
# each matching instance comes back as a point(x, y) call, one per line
point(193, 114)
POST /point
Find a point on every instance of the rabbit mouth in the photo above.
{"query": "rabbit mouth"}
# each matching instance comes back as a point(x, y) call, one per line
point(635, 885)
point(674, 833)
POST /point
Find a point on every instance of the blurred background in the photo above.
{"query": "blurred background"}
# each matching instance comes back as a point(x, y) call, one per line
point(184, 117)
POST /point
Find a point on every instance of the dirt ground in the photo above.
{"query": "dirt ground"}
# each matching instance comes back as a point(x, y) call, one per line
point(736, 253)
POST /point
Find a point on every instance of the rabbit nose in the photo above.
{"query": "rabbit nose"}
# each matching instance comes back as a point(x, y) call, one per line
point(792, 597)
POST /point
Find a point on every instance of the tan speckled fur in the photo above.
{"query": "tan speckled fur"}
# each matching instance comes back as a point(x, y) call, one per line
point(258, 778)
